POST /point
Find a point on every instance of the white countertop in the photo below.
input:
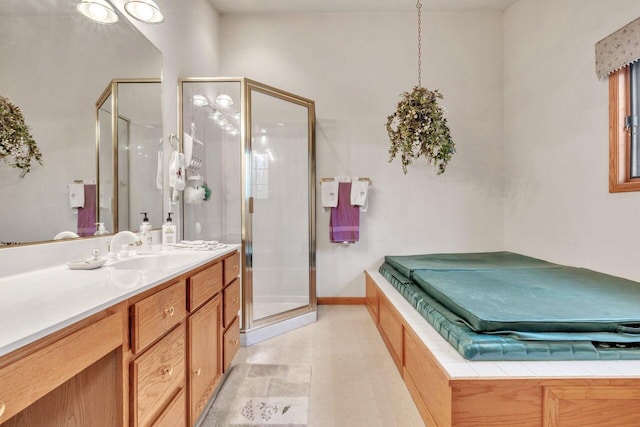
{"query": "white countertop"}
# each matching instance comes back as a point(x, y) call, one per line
point(38, 303)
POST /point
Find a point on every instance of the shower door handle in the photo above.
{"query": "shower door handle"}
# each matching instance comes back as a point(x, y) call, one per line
point(250, 205)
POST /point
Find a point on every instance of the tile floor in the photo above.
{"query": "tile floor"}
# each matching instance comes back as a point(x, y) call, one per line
point(354, 382)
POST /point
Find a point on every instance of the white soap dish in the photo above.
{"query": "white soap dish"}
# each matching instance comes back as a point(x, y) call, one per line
point(86, 264)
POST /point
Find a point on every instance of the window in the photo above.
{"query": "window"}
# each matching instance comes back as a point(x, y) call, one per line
point(624, 144)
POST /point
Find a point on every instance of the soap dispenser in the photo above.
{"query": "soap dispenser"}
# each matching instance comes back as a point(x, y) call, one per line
point(168, 232)
point(145, 235)
point(101, 231)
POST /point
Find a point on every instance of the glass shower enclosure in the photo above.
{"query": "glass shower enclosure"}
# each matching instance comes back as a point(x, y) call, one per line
point(249, 151)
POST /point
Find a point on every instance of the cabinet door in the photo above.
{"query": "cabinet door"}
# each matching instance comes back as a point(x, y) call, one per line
point(231, 343)
point(205, 359)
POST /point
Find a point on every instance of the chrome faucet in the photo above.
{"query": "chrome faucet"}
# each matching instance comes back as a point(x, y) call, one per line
point(113, 244)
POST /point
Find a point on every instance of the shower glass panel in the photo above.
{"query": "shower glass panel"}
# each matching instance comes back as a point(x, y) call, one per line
point(249, 152)
point(211, 141)
point(280, 191)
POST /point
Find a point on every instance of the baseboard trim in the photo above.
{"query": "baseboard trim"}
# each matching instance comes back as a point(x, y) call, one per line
point(341, 300)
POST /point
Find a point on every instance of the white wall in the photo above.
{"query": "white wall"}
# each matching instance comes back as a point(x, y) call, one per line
point(355, 65)
point(189, 41)
point(556, 138)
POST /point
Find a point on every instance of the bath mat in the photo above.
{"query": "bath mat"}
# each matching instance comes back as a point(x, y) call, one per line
point(262, 395)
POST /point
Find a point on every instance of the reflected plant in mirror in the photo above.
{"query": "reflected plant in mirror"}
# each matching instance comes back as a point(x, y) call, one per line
point(17, 146)
point(56, 64)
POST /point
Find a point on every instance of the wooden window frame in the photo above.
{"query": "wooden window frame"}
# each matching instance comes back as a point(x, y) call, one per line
point(619, 138)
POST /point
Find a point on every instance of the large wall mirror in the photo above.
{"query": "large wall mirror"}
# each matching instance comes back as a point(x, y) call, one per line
point(55, 65)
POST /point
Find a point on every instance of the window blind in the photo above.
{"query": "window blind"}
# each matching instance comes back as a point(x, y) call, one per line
point(618, 50)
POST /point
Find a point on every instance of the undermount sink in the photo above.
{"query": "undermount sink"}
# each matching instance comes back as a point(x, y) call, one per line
point(157, 262)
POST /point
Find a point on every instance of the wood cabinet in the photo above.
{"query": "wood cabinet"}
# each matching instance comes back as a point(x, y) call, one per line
point(204, 285)
point(156, 314)
point(205, 328)
point(231, 342)
point(157, 377)
point(231, 295)
point(231, 268)
point(231, 302)
point(154, 359)
point(70, 375)
point(180, 327)
point(175, 414)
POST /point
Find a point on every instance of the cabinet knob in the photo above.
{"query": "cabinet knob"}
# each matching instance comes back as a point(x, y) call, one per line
point(2, 408)
point(197, 372)
point(235, 300)
point(234, 342)
point(235, 267)
point(169, 311)
point(167, 371)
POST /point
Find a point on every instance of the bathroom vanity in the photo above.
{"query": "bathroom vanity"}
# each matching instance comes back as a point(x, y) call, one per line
point(123, 345)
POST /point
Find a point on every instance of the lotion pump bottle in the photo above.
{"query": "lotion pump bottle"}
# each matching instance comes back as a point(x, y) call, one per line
point(101, 231)
point(145, 235)
point(168, 232)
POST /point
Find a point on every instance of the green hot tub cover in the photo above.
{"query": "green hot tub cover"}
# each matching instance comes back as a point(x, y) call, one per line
point(528, 310)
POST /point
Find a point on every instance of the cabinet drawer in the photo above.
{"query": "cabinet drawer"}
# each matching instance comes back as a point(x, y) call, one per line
point(204, 285)
point(231, 342)
point(175, 413)
point(155, 315)
point(157, 376)
point(231, 302)
point(231, 268)
point(30, 378)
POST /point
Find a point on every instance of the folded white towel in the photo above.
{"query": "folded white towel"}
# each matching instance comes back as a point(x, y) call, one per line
point(173, 168)
point(330, 194)
point(359, 191)
point(187, 148)
point(76, 195)
point(159, 171)
point(365, 207)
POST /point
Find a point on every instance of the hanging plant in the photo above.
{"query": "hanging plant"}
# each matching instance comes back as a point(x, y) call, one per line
point(418, 126)
point(420, 130)
point(17, 147)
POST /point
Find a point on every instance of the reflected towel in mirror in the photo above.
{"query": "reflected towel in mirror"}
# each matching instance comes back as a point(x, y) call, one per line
point(76, 195)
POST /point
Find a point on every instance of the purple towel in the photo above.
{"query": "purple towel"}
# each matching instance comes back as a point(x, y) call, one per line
point(87, 215)
point(344, 224)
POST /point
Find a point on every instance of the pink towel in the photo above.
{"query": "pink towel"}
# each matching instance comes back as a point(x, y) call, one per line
point(344, 224)
point(87, 215)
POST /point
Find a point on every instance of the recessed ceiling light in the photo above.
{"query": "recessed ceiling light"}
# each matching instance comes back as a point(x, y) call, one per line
point(144, 10)
point(200, 101)
point(98, 11)
point(224, 100)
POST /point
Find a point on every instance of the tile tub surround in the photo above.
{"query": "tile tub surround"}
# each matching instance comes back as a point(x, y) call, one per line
point(47, 298)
